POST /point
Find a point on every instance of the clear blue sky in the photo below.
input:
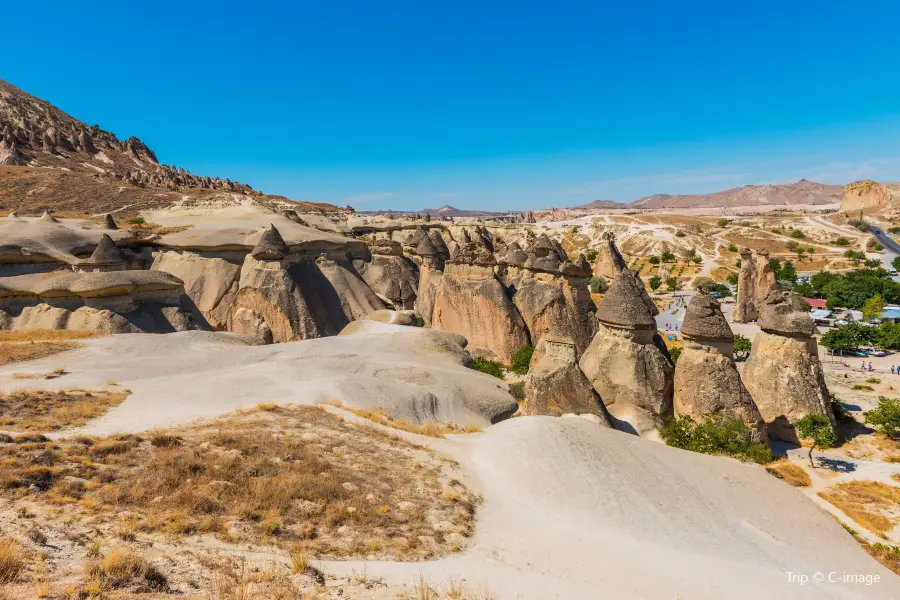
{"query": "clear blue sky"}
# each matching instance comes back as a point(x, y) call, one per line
point(490, 105)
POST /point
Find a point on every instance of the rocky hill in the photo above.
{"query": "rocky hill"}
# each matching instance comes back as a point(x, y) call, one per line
point(802, 192)
point(869, 197)
point(51, 160)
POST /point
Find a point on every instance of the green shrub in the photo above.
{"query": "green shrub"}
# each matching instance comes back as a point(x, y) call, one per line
point(863, 388)
point(522, 359)
point(137, 221)
point(886, 416)
point(842, 241)
point(488, 366)
point(742, 346)
point(591, 255)
point(797, 234)
point(697, 260)
point(732, 248)
point(667, 256)
point(653, 260)
point(599, 285)
point(837, 409)
point(723, 222)
point(717, 435)
point(655, 282)
point(873, 380)
point(675, 354)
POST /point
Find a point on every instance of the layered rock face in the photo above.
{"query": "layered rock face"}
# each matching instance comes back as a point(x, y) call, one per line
point(431, 265)
point(102, 302)
point(551, 293)
point(284, 297)
point(609, 261)
point(556, 385)
point(745, 304)
point(783, 374)
point(626, 361)
point(212, 282)
point(472, 302)
point(391, 276)
point(707, 383)
point(755, 282)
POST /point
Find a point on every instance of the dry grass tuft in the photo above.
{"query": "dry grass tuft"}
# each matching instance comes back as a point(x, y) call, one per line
point(300, 478)
point(12, 560)
point(120, 568)
point(21, 352)
point(866, 502)
point(44, 335)
point(54, 374)
point(41, 410)
point(790, 473)
point(383, 417)
point(889, 556)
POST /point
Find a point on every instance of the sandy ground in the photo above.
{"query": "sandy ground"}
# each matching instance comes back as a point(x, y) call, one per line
point(571, 510)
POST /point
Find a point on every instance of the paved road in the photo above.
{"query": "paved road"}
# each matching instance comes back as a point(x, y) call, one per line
point(891, 248)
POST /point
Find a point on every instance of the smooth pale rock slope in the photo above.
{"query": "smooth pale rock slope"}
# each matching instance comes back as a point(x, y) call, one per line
point(415, 374)
point(576, 511)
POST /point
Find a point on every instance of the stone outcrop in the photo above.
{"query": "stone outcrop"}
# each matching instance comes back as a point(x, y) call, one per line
point(867, 196)
point(707, 383)
point(392, 276)
point(106, 257)
point(410, 318)
point(109, 222)
point(212, 282)
point(472, 302)
point(755, 282)
point(285, 296)
point(555, 384)
point(783, 374)
point(103, 302)
point(552, 295)
point(609, 261)
point(745, 309)
point(627, 363)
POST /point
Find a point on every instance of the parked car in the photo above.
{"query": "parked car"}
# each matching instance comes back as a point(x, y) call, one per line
point(840, 322)
point(879, 352)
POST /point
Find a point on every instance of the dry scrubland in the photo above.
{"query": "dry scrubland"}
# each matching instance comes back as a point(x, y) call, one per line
point(19, 346)
point(86, 517)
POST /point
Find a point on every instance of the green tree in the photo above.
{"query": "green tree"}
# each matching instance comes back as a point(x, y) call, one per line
point(697, 260)
point(842, 241)
point(787, 272)
point(873, 307)
point(873, 263)
point(690, 254)
point(797, 234)
point(855, 256)
point(816, 427)
point(896, 263)
point(886, 417)
point(599, 285)
point(742, 346)
point(672, 283)
point(849, 337)
point(733, 278)
point(888, 336)
point(522, 359)
point(655, 282)
point(800, 252)
point(667, 256)
point(653, 260)
point(591, 255)
point(732, 248)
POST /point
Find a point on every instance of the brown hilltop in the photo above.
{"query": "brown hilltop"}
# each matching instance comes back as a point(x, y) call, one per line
point(51, 160)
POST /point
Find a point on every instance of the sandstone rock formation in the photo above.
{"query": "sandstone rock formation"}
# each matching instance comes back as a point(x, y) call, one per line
point(103, 302)
point(626, 362)
point(211, 282)
point(556, 385)
point(867, 196)
point(431, 273)
point(765, 277)
point(110, 222)
point(745, 309)
point(106, 257)
point(609, 261)
point(707, 383)
point(783, 374)
point(410, 318)
point(390, 275)
point(472, 302)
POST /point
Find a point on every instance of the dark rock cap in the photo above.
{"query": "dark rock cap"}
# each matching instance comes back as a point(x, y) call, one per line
point(438, 240)
point(784, 312)
point(624, 306)
point(542, 246)
point(425, 247)
point(473, 253)
point(270, 246)
point(648, 301)
point(110, 222)
point(106, 253)
point(703, 320)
